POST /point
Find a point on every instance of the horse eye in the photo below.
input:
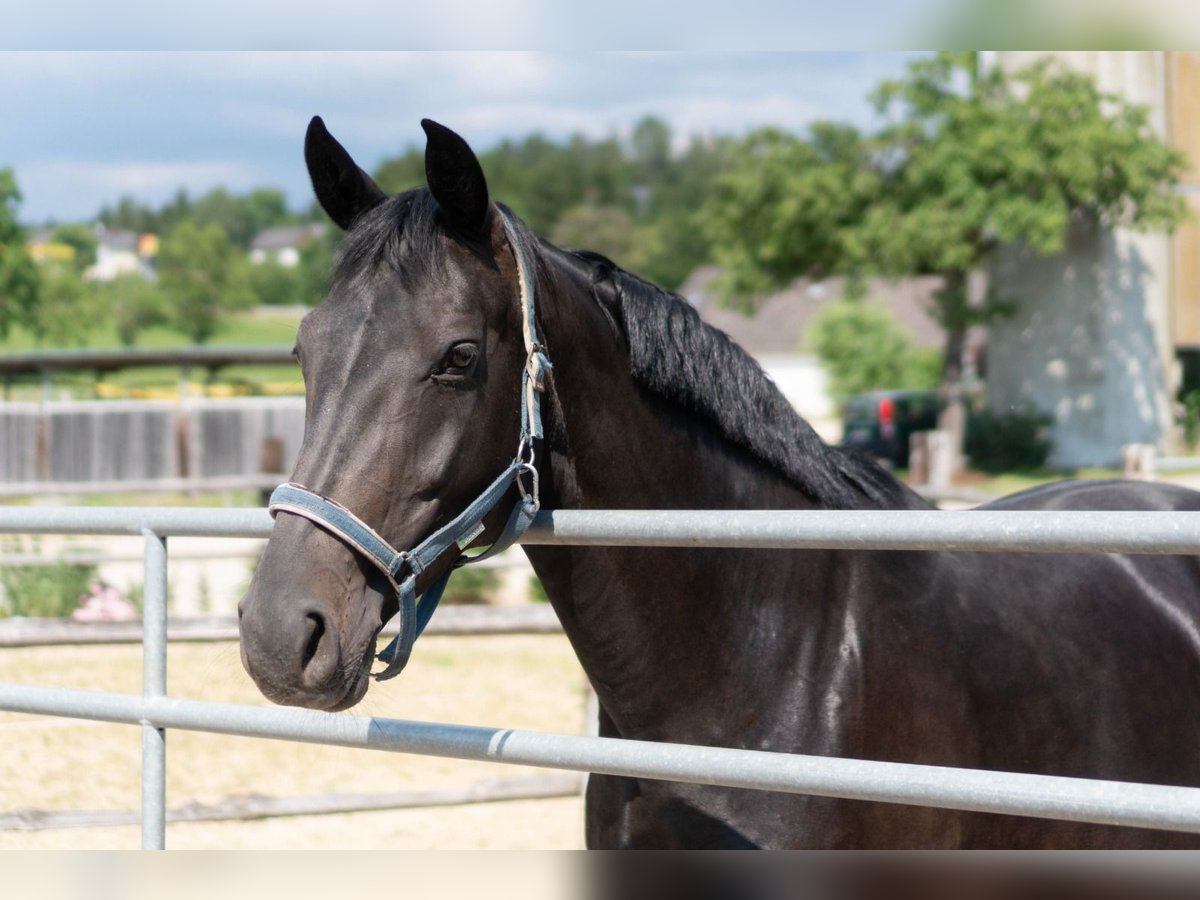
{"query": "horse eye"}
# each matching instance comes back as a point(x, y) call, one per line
point(459, 359)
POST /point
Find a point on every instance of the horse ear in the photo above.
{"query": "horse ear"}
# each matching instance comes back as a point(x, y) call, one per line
point(344, 190)
point(455, 179)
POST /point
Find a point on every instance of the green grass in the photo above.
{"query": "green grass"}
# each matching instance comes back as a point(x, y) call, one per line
point(258, 328)
point(1011, 482)
point(247, 328)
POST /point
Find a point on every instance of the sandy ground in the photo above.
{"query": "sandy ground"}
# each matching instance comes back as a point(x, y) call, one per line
point(57, 764)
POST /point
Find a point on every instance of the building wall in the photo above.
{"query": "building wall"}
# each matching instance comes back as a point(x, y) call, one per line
point(1183, 92)
point(1086, 344)
point(1091, 342)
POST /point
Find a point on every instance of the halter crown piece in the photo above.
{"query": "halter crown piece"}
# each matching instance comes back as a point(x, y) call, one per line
point(403, 567)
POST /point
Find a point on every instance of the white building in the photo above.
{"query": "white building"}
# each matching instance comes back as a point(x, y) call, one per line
point(1094, 341)
point(283, 245)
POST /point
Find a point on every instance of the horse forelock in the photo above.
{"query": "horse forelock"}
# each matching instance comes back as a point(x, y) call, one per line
point(401, 233)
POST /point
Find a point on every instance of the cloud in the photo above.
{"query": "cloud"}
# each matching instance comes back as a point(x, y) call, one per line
point(83, 187)
point(130, 121)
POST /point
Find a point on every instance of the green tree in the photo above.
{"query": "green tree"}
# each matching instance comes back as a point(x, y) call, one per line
point(81, 239)
point(787, 207)
point(965, 163)
point(651, 144)
point(1009, 160)
point(202, 276)
point(316, 267)
point(242, 217)
point(558, 187)
point(863, 348)
point(274, 284)
point(67, 312)
point(133, 304)
point(401, 173)
point(18, 272)
point(609, 230)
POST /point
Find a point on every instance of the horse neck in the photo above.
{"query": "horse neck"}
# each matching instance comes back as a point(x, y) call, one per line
point(649, 623)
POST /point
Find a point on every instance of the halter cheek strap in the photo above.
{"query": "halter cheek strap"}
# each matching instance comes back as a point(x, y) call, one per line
point(403, 567)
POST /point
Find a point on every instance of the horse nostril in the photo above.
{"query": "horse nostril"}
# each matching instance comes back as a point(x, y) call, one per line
point(314, 639)
point(320, 659)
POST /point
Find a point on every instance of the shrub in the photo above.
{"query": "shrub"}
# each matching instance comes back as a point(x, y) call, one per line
point(537, 591)
point(863, 348)
point(1189, 417)
point(470, 585)
point(1017, 439)
point(50, 590)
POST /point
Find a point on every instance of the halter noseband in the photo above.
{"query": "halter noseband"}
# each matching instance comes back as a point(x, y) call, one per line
point(403, 567)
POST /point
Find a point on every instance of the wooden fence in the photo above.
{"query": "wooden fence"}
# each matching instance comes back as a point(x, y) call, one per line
point(103, 446)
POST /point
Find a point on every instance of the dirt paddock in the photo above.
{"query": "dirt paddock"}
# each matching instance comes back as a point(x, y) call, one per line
point(531, 682)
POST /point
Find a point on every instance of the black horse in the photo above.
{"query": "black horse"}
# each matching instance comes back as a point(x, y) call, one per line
point(1058, 664)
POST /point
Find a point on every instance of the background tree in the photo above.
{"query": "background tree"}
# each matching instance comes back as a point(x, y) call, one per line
point(965, 163)
point(67, 311)
point(564, 188)
point(274, 284)
point(788, 206)
point(18, 272)
point(1009, 160)
point(862, 347)
point(202, 276)
point(242, 217)
point(609, 230)
point(316, 266)
point(82, 240)
point(133, 304)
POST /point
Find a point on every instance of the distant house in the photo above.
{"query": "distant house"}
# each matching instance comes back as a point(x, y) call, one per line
point(44, 249)
point(122, 253)
point(282, 245)
point(776, 334)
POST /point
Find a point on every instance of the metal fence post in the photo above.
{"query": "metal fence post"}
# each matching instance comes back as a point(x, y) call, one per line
point(154, 684)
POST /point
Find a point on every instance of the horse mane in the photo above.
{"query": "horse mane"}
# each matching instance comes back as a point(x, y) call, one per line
point(681, 358)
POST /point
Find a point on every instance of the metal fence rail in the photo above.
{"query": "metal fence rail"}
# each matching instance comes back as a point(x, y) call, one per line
point(1034, 795)
point(976, 530)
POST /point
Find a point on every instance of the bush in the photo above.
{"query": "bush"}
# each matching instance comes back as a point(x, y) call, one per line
point(471, 585)
point(1018, 439)
point(537, 591)
point(863, 348)
point(42, 590)
point(1189, 418)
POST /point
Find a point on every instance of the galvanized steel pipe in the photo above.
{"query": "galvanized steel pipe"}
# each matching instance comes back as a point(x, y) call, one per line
point(1075, 799)
point(154, 686)
point(962, 530)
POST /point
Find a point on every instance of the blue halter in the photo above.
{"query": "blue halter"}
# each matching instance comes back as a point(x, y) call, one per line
point(403, 567)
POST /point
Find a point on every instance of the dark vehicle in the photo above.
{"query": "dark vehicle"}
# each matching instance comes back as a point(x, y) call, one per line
point(880, 422)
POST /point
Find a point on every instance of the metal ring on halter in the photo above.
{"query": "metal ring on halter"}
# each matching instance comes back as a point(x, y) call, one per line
point(533, 492)
point(526, 447)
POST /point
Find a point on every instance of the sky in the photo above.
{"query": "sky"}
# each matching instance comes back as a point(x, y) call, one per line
point(80, 129)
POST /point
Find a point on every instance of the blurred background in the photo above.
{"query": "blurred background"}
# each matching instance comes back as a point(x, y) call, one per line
point(993, 248)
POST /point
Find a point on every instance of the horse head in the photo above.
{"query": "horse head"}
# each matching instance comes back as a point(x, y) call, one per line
point(413, 380)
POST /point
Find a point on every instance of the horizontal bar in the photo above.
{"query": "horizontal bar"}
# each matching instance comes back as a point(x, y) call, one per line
point(1042, 796)
point(967, 530)
point(165, 521)
point(975, 530)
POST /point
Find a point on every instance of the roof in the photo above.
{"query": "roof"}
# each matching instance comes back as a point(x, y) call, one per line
point(117, 240)
point(286, 236)
point(781, 320)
